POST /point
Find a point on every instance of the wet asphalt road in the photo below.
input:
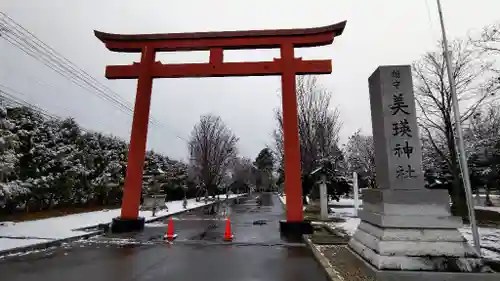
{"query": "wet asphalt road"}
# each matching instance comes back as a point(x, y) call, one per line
point(199, 252)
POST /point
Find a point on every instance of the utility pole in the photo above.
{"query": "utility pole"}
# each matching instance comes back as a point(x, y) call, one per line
point(460, 144)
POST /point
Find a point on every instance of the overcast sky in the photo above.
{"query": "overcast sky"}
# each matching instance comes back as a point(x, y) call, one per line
point(377, 33)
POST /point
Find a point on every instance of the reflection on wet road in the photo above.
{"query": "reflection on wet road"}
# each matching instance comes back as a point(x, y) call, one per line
point(199, 252)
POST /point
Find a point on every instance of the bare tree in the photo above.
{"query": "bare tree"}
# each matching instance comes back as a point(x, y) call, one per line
point(319, 125)
point(434, 102)
point(482, 139)
point(488, 43)
point(484, 130)
point(488, 40)
point(243, 171)
point(212, 148)
point(360, 154)
point(430, 161)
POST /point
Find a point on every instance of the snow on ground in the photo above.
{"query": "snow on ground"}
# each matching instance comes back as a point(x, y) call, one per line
point(343, 208)
point(6, 243)
point(283, 200)
point(25, 253)
point(491, 195)
point(351, 221)
point(344, 202)
point(490, 237)
point(490, 241)
point(494, 209)
point(14, 235)
point(342, 212)
point(349, 226)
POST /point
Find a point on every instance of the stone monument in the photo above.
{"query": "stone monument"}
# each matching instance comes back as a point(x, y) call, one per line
point(404, 226)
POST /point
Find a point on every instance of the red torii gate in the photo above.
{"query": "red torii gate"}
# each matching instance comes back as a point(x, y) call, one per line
point(216, 42)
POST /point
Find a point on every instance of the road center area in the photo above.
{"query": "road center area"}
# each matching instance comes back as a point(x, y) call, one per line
point(257, 252)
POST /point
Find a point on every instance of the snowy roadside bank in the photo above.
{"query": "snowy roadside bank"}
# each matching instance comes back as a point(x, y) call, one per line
point(41, 233)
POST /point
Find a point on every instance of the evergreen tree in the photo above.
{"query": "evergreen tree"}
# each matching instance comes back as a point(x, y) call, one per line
point(265, 165)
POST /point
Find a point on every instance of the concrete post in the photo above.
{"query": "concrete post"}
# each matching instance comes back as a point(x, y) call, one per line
point(323, 198)
point(356, 192)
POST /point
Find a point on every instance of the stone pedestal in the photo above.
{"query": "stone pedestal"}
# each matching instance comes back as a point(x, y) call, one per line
point(412, 230)
point(403, 225)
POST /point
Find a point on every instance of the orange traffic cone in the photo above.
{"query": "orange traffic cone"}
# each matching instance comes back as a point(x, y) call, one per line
point(170, 230)
point(228, 235)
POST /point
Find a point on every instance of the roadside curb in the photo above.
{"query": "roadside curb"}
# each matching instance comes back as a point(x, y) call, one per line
point(58, 242)
point(333, 275)
point(48, 244)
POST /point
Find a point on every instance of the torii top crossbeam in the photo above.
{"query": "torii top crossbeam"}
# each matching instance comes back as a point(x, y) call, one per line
point(197, 41)
point(216, 42)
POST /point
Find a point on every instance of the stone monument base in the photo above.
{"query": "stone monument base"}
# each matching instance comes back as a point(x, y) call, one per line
point(412, 275)
point(412, 230)
point(415, 249)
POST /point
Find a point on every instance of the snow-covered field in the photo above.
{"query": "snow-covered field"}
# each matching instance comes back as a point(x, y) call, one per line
point(30, 233)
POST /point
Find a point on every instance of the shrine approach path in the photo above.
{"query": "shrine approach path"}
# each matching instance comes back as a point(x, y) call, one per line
point(199, 252)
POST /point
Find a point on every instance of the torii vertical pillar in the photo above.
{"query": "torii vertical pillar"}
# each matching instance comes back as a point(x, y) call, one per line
point(139, 134)
point(287, 66)
point(293, 180)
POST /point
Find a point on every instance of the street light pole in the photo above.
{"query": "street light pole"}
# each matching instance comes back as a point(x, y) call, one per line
point(463, 160)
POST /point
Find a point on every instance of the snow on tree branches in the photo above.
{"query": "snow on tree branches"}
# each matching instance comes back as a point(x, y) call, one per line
point(52, 163)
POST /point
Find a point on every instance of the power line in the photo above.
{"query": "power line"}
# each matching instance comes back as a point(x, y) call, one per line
point(19, 37)
point(429, 19)
point(13, 101)
point(56, 104)
point(11, 98)
point(46, 57)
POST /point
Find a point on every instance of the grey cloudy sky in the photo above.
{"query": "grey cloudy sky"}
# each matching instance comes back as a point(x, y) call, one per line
point(378, 32)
